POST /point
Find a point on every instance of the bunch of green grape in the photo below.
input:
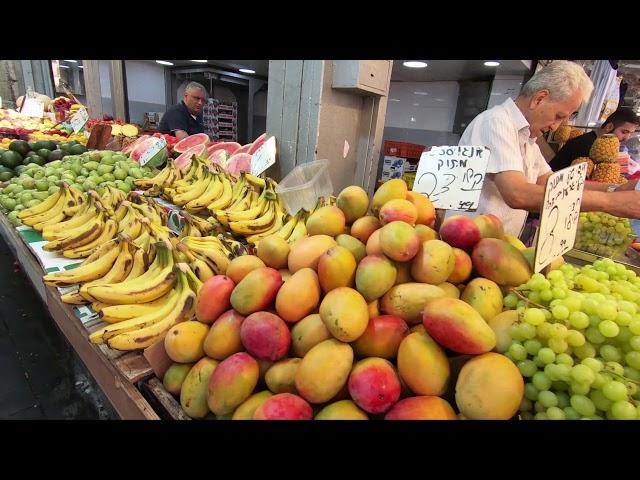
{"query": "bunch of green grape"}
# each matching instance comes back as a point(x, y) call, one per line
point(578, 348)
point(603, 234)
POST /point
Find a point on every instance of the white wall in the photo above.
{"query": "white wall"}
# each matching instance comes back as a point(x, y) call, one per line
point(433, 108)
point(145, 82)
point(504, 86)
point(105, 79)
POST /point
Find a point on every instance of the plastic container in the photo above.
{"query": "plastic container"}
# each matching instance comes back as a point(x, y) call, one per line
point(304, 185)
point(602, 234)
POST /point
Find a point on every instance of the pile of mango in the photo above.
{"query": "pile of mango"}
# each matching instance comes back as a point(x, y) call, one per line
point(372, 315)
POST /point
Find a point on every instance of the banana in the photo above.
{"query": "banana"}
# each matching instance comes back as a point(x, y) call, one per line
point(277, 225)
point(194, 282)
point(139, 264)
point(300, 230)
point(97, 253)
point(59, 217)
point(119, 271)
point(225, 198)
point(258, 225)
point(195, 191)
point(201, 268)
point(226, 216)
point(119, 313)
point(235, 247)
point(109, 231)
point(55, 211)
point(78, 236)
point(98, 306)
point(288, 227)
point(73, 298)
point(42, 207)
point(255, 181)
point(59, 230)
point(213, 191)
point(74, 201)
point(84, 273)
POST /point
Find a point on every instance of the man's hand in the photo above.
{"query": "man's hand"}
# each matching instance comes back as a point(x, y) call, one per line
point(627, 186)
point(180, 134)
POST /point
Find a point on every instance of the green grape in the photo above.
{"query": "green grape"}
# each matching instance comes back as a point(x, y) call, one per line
point(532, 346)
point(559, 386)
point(521, 307)
point(628, 307)
point(594, 336)
point(594, 320)
point(572, 303)
point(623, 319)
point(615, 391)
point(634, 342)
point(632, 373)
point(526, 416)
point(624, 336)
point(541, 381)
point(633, 359)
point(585, 351)
point(564, 359)
point(555, 275)
point(592, 363)
point(508, 355)
point(563, 372)
point(623, 410)
point(599, 400)
point(614, 367)
point(580, 388)
point(543, 331)
point(530, 392)
point(571, 414)
point(555, 302)
point(510, 300)
point(589, 306)
point(563, 399)
point(538, 407)
point(599, 381)
point(551, 372)
point(539, 363)
point(517, 351)
point(610, 353)
point(534, 316)
point(634, 327)
point(607, 311)
point(534, 297)
point(560, 312)
point(514, 332)
point(527, 368)
point(547, 399)
point(582, 374)
point(555, 413)
point(583, 405)
point(608, 329)
point(546, 355)
point(541, 416)
point(579, 320)
point(558, 345)
point(546, 295)
point(559, 293)
point(632, 388)
point(527, 331)
point(526, 405)
point(575, 338)
point(558, 331)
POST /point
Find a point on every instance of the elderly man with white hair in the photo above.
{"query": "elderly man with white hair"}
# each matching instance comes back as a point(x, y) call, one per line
point(517, 171)
point(185, 118)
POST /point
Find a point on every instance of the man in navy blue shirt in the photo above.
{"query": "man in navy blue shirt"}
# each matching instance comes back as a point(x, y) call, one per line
point(185, 118)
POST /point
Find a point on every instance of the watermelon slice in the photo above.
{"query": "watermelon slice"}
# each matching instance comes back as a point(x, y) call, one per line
point(129, 148)
point(219, 157)
point(244, 149)
point(184, 160)
point(240, 162)
point(212, 147)
point(229, 147)
point(191, 141)
point(158, 159)
point(257, 143)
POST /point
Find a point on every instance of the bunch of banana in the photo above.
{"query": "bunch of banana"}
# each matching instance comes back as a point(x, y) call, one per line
point(149, 207)
point(246, 203)
point(66, 202)
point(200, 224)
point(82, 235)
point(236, 248)
point(199, 266)
point(295, 228)
point(184, 195)
point(111, 198)
point(167, 176)
point(225, 196)
point(95, 266)
point(210, 250)
point(152, 324)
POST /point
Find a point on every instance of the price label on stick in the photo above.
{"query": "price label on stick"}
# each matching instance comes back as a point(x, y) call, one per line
point(560, 214)
point(452, 177)
point(79, 120)
point(32, 108)
point(264, 157)
point(151, 151)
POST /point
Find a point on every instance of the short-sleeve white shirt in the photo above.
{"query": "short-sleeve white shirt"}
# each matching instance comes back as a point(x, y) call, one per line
point(505, 131)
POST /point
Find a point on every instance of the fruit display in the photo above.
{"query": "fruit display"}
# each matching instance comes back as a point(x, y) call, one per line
point(603, 234)
point(15, 125)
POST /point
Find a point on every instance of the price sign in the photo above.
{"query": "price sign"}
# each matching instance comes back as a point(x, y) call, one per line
point(175, 222)
point(151, 151)
point(264, 157)
point(79, 120)
point(560, 214)
point(32, 108)
point(452, 177)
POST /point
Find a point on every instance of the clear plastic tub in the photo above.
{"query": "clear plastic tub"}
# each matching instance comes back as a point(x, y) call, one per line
point(304, 185)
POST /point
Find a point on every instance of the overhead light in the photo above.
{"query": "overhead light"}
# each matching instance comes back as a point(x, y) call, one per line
point(70, 61)
point(416, 104)
point(491, 64)
point(496, 93)
point(413, 119)
point(199, 61)
point(80, 66)
point(246, 70)
point(164, 62)
point(421, 93)
point(415, 64)
point(592, 124)
point(65, 66)
point(394, 100)
point(439, 100)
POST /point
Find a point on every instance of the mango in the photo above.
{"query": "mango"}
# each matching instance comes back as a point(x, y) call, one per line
point(265, 336)
point(329, 220)
point(307, 333)
point(515, 241)
point(501, 326)
point(490, 226)
point(299, 296)
point(389, 190)
point(457, 326)
point(355, 246)
point(462, 267)
point(364, 227)
point(421, 408)
point(264, 366)
point(426, 233)
point(341, 410)
point(403, 272)
point(399, 241)
point(286, 274)
point(460, 231)
point(485, 296)
point(232, 383)
point(345, 313)
point(423, 365)
point(375, 275)
point(284, 406)
point(408, 300)
point(195, 388)
point(374, 310)
point(281, 377)
point(450, 290)
point(418, 328)
point(336, 268)
point(434, 262)
point(489, 387)
point(223, 339)
point(306, 252)
point(354, 203)
point(382, 337)
point(256, 291)
point(398, 210)
point(184, 342)
point(373, 244)
point(424, 207)
point(240, 266)
point(324, 370)
point(274, 251)
point(529, 254)
point(501, 262)
point(174, 377)
point(214, 298)
point(374, 385)
point(247, 409)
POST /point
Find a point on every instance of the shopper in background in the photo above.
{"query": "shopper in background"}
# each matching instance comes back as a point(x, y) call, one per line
point(517, 171)
point(185, 118)
point(622, 123)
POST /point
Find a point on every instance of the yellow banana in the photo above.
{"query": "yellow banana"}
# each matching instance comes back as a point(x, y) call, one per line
point(73, 298)
point(119, 271)
point(277, 225)
point(194, 191)
point(255, 181)
point(213, 191)
point(225, 198)
point(109, 231)
point(300, 230)
point(258, 225)
point(288, 227)
point(119, 313)
point(84, 273)
point(78, 236)
point(52, 212)
point(42, 207)
point(57, 231)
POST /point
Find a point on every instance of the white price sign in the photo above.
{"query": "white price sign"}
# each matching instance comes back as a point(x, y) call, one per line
point(151, 151)
point(79, 120)
point(32, 108)
point(560, 214)
point(452, 177)
point(264, 157)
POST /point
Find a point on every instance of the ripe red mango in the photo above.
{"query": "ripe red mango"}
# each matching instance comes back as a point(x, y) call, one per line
point(421, 408)
point(460, 231)
point(284, 406)
point(265, 336)
point(374, 385)
point(214, 298)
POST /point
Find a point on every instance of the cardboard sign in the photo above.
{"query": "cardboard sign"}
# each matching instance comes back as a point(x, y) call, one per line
point(560, 214)
point(452, 177)
point(151, 151)
point(79, 120)
point(264, 157)
point(32, 108)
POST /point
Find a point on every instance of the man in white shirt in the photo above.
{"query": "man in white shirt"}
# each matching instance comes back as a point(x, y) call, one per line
point(517, 171)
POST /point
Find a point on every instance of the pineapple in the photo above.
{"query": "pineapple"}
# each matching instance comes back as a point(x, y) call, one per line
point(589, 164)
point(621, 180)
point(562, 133)
point(606, 173)
point(575, 132)
point(605, 149)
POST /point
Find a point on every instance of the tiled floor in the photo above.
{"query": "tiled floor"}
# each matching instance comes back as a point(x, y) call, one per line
point(42, 377)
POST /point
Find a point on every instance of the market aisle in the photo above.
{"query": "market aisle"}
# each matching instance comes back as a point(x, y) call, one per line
point(42, 378)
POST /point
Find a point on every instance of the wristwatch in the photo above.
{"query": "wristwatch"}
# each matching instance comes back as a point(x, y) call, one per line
point(612, 188)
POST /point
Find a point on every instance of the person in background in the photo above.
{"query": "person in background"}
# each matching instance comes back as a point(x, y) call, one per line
point(185, 118)
point(622, 123)
point(517, 172)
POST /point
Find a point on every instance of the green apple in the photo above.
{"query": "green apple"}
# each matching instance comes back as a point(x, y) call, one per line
point(42, 185)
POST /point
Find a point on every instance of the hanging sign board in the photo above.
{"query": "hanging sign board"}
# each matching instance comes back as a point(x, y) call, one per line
point(560, 214)
point(32, 107)
point(79, 120)
point(264, 157)
point(452, 177)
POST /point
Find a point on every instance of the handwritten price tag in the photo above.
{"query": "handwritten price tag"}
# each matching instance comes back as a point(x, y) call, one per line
point(264, 157)
point(79, 120)
point(560, 214)
point(32, 108)
point(452, 177)
point(151, 151)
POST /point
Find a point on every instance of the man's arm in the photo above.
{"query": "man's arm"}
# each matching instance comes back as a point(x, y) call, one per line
point(180, 134)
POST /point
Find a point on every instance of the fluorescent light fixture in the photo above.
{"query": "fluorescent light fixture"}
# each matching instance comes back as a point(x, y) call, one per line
point(164, 62)
point(421, 93)
point(246, 70)
point(415, 64)
point(65, 66)
point(491, 64)
point(416, 104)
point(496, 93)
point(592, 124)
point(70, 61)
point(439, 99)
point(413, 119)
point(199, 61)
point(80, 66)
point(394, 100)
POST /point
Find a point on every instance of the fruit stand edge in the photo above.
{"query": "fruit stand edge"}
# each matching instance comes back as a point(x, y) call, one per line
point(168, 407)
